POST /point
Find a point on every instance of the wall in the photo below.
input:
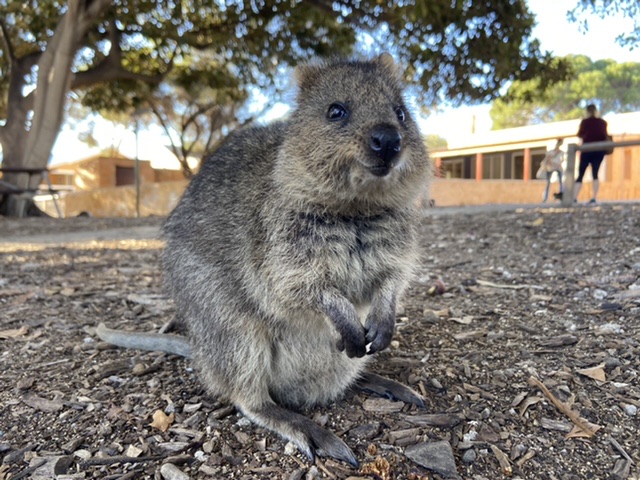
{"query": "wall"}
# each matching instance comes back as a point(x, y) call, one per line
point(155, 199)
point(160, 198)
point(456, 192)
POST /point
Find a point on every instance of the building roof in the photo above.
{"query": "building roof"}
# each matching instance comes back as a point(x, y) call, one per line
point(533, 136)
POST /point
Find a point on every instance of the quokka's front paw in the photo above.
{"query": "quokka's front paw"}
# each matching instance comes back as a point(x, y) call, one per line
point(379, 327)
point(353, 342)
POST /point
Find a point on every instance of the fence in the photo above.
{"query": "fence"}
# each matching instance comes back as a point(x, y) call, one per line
point(572, 149)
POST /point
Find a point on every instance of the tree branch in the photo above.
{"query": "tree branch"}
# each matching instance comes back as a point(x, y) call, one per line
point(7, 42)
point(110, 68)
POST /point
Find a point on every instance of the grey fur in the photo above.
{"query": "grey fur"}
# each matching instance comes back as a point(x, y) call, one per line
point(288, 250)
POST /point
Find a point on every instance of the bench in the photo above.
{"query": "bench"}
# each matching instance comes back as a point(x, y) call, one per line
point(8, 189)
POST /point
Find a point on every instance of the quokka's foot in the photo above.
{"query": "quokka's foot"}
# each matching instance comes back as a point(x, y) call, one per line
point(309, 437)
point(390, 389)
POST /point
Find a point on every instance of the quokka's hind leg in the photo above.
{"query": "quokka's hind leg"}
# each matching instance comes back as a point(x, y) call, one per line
point(309, 437)
point(389, 388)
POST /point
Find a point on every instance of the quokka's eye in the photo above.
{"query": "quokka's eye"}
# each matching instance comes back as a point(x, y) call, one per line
point(400, 114)
point(337, 111)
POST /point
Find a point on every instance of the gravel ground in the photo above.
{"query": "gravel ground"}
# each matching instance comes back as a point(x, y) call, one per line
point(521, 330)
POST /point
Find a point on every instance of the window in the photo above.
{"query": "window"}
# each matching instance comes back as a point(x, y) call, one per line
point(125, 176)
point(452, 168)
point(493, 167)
point(517, 166)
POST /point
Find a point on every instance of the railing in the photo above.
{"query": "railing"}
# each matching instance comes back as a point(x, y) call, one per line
point(572, 148)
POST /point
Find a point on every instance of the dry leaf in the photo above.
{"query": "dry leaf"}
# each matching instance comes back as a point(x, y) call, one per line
point(524, 406)
point(579, 432)
point(597, 373)
point(161, 421)
point(14, 333)
point(380, 468)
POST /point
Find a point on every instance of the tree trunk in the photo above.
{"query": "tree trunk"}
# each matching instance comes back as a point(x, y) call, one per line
point(54, 80)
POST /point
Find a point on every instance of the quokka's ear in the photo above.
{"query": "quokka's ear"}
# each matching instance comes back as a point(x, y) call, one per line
point(386, 61)
point(305, 72)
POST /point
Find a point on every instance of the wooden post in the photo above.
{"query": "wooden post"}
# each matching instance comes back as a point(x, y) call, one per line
point(569, 175)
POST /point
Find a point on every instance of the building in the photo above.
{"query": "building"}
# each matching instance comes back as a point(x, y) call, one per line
point(500, 166)
point(104, 185)
point(108, 170)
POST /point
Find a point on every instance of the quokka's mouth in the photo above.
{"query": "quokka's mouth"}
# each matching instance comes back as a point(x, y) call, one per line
point(380, 170)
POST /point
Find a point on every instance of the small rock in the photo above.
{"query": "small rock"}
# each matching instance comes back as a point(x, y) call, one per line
point(290, 448)
point(191, 407)
point(297, 474)
point(469, 456)
point(599, 294)
point(517, 451)
point(630, 410)
point(243, 422)
point(133, 451)
point(611, 363)
point(435, 456)
point(170, 472)
point(82, 454)
point(50, 467)
point(609, 329)
point(312, 473)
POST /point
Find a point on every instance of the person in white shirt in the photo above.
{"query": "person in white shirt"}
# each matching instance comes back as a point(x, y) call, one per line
point(552, 162)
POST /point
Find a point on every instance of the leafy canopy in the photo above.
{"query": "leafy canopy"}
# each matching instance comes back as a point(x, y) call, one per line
point(613, 87)
point(458, 51)
point(606, 8)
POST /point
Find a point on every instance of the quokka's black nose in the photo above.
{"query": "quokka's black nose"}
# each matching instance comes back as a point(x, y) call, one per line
point(386, 142)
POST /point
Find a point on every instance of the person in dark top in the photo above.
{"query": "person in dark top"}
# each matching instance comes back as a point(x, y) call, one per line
point(592, 129)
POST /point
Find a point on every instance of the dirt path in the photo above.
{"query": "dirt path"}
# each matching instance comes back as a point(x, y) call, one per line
point(532, 295)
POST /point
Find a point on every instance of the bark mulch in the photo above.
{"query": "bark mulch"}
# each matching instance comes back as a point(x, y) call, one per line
point(521, 329)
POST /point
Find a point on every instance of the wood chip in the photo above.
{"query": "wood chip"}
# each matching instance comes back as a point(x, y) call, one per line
point(382, 405)
point(13, 333)
point(503, 460)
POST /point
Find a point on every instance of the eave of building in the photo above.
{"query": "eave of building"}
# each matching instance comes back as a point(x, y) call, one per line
point(533, 136)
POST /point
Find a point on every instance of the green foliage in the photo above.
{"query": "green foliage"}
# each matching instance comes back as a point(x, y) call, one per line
point(435, 141)
point(456, 51)
point(605, 8)
point(614, 87)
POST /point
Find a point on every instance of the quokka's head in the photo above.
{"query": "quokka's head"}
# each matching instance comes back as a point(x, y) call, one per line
point(351, 138)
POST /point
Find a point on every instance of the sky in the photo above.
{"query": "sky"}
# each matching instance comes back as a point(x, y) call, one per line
point(553, 30)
